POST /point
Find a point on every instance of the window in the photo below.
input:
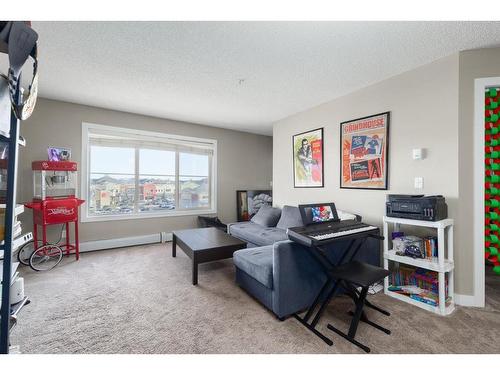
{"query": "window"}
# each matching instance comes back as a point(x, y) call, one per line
point(130, 173)
point(193, 180)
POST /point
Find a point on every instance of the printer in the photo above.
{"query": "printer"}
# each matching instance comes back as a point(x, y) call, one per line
point(417, 207)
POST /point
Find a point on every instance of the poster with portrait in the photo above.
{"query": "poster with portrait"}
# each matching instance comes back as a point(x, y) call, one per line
point(308, 159)
point(59, 153)
point(363, 152)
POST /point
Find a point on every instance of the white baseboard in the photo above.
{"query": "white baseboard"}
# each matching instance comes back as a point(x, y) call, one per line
point(124, 242)
point(466, 300)
point(166, 237)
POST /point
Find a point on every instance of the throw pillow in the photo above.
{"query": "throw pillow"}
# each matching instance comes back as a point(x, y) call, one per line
point(290, 217)
point(267, 216)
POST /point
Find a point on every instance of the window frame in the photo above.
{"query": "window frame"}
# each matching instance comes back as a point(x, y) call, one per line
point(87, 128)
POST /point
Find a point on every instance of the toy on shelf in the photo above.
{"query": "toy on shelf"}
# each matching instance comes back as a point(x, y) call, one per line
point(55, 201)
point(492, 177)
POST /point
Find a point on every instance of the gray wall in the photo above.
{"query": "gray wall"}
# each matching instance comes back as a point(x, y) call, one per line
point(244, 160)
point(431, 107)
point(424, 114)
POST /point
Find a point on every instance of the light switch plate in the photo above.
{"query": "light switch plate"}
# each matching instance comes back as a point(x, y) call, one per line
point(419, 183)
point(417, 154)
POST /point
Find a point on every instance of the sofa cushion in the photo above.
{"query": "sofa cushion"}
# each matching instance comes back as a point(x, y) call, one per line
point(256, 262)
point(257, 234)
point(290, 217)
point(267, 216)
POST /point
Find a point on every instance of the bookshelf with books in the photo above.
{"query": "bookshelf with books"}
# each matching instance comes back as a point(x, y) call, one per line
point(426, 281)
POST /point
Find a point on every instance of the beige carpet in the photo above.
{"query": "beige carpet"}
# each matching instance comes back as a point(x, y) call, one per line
point(140, 300)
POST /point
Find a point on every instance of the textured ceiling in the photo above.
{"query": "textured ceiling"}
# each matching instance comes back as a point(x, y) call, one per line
point(191, 71)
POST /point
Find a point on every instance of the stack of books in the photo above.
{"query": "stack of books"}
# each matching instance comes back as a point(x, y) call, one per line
point(419, 294)
point(417, 283)
point(431, 246)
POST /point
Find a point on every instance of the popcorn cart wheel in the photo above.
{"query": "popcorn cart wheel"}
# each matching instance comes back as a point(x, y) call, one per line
point(42, 257)
point(45, 257)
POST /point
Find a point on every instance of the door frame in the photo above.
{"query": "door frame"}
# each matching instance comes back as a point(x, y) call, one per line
point(480, 85)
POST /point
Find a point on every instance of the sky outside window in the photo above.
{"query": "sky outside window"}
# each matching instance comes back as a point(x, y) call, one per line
point(157, 162)
point(118, 160)
point(193, 164)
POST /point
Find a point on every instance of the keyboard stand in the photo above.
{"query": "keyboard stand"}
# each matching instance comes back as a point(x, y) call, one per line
point(331, 286)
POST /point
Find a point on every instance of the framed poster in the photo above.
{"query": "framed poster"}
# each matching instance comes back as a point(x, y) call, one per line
point(248, 202)
point(308, 159)
point(59, 153)
point(364, 147)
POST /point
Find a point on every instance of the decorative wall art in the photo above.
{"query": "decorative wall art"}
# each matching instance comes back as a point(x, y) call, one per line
point(308, 159)
point(364, 152)
point(248, 202)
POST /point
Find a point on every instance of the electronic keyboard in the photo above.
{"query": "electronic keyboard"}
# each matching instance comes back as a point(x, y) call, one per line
point(318, 234)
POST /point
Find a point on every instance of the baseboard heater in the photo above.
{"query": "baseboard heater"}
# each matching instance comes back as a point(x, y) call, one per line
point(114, 243)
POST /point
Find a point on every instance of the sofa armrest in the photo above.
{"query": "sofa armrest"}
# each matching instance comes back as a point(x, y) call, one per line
point(228, 227)
point(297, 278)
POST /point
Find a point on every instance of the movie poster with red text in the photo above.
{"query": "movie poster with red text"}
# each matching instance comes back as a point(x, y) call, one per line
point(308, 159)
point(364, 147)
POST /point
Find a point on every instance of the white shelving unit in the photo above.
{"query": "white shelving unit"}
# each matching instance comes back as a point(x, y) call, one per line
point(22, 238)
point(442, 264)
point(18, 210)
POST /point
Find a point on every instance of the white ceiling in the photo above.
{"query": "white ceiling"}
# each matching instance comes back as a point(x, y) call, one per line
point(190, 71)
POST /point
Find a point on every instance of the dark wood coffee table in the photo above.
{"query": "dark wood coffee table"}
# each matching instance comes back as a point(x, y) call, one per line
point(205, 245)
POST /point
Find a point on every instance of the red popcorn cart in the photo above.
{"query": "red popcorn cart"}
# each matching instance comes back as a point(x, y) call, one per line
point(54, 201)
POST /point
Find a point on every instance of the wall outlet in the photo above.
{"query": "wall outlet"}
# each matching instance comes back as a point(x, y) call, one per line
point(419, 183)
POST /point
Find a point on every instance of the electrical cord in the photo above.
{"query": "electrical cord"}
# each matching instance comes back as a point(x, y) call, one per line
point(60, 234)
point(375, 288)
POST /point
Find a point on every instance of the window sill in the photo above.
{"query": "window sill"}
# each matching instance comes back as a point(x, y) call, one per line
point(194, 212)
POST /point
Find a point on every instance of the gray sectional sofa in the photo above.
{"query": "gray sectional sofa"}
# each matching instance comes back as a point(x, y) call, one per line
point(267, 227)
point(279, 273)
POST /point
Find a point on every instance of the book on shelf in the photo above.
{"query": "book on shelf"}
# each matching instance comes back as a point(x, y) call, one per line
point(417, 283)
point(429, 298)
point(425, 279)
point(418, 294)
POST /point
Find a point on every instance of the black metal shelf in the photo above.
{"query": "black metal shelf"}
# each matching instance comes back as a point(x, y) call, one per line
point(8, 317)
point(5, 138)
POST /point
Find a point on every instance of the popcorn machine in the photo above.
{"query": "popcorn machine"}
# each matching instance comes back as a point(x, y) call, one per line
point(54, 200)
